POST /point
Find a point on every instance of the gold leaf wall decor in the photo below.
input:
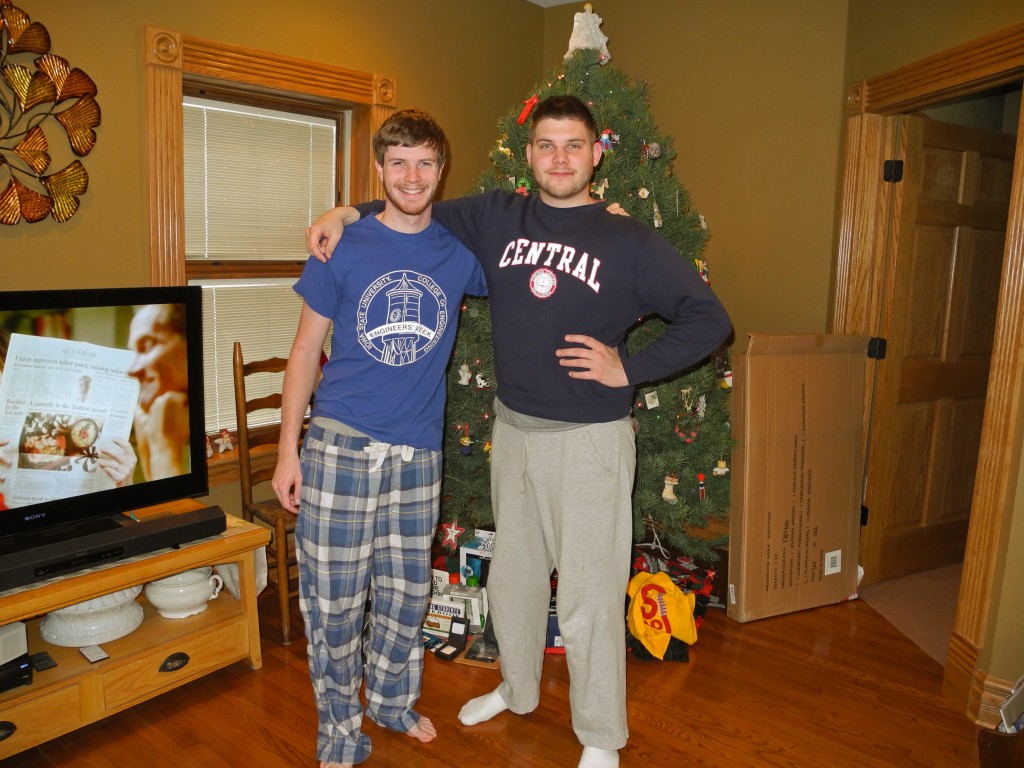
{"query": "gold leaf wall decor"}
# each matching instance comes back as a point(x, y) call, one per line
point(45, 105)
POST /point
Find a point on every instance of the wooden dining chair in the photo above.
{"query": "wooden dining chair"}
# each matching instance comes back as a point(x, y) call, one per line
point(257, 458)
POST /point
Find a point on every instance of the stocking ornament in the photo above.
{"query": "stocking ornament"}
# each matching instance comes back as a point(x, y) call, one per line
point(669, 494)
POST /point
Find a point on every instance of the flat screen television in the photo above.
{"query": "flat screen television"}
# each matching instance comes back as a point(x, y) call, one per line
point(101, 408)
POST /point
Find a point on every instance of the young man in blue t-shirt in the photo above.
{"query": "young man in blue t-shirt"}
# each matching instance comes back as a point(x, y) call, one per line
point(566, 283)
point(367, 485)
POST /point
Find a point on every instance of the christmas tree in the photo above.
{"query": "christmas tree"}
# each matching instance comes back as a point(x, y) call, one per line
point(683, 440)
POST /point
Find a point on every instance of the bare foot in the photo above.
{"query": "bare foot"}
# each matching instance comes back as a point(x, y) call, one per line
point(424, 730)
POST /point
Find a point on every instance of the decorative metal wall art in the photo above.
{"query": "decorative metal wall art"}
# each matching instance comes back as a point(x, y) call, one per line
point(36, 95)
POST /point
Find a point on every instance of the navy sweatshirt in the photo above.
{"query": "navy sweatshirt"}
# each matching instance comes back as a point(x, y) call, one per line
point(556, 271)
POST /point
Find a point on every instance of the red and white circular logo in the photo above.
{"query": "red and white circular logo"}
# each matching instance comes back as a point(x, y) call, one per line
point(543, 283)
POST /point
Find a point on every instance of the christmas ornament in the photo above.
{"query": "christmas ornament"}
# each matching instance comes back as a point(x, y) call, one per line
point(465, 442)
point(702, 270)
point(224, 442)
point(587, 34)
point(502, 148)
point(524, 187)
point(720, 362)
point(658, 221)
point(608, 137)
point(529, 104)
point(464, 375)
point(720, 468)
point(685, 434)
point(700, 486)
point(669, 494)
point(644, 193)
point(452, 531)
point(598, 190)
point(654, 150)
point(686, 395)
point(481, 382)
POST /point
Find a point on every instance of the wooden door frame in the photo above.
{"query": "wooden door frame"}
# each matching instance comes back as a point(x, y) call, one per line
point(872, 105)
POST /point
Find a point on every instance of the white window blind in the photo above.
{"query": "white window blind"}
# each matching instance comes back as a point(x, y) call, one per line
point(261, 316)
point(254, 180)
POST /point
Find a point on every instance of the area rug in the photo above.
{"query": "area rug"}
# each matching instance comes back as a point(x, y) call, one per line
point(922, 606)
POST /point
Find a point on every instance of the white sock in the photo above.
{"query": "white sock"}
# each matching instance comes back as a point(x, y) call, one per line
point(482, 708)
point(599, 758)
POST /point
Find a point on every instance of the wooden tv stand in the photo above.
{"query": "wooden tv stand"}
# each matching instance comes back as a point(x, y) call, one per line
point(77, 692)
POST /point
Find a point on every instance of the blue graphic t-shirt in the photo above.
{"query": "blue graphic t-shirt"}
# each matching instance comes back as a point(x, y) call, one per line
point(394, 299)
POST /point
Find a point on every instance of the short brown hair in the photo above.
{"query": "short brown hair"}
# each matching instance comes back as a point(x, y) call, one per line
point(563, 108)
point(410, 128)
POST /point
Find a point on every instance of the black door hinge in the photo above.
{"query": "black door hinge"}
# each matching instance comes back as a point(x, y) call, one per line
point(876, 348)
point(892, 171)
point(863, 515)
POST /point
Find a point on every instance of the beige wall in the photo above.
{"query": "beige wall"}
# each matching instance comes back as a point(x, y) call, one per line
point(885, 35)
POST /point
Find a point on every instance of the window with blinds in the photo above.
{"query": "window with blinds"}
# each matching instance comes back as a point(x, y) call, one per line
point(255, 178)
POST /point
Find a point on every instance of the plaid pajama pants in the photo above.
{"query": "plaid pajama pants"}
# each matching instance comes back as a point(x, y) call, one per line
point(368, 514)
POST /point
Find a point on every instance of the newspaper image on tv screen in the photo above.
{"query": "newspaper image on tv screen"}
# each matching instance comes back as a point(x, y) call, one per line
point(61, 402)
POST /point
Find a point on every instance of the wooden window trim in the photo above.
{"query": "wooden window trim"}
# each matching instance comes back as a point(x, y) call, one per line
point(175, 62)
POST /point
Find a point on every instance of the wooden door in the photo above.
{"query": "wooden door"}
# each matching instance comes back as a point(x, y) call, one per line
point(941, 289)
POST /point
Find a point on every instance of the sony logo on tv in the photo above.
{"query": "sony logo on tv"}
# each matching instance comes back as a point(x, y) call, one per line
point(36, 516)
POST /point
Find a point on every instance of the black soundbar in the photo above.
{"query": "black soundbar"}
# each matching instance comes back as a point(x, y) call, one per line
point(59, 552)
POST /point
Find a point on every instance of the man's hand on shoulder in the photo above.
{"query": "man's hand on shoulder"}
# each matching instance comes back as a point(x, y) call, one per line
point(595, 360)
point(322, 235)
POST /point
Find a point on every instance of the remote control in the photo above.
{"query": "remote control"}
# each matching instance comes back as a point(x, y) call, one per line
point(41, 661)
point(94, 653)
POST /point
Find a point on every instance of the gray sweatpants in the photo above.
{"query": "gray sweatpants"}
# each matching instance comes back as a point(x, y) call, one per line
point(561, 496)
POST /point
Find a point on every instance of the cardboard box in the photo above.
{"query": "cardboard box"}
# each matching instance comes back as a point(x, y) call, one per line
point(797, 473)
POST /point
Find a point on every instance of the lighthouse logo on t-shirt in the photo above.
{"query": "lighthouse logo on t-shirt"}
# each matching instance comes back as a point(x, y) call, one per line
point(401, 316)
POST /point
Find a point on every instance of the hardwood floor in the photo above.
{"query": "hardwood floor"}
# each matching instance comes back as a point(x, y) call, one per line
point(834, 686)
